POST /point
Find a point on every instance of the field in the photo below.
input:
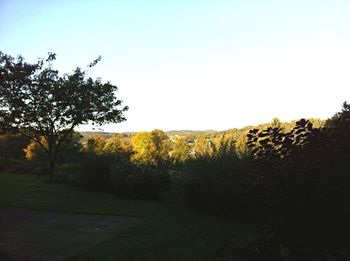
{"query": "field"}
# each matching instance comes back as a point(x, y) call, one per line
point(166, 231)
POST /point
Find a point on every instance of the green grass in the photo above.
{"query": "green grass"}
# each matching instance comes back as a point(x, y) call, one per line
point(168, 232)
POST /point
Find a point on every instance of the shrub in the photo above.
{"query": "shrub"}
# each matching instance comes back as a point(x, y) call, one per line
point(133, 180)
point(214, 181)
point(95, 171)
point(300, 184)
point(255, 248)
point(11, 146)
point(17, 166)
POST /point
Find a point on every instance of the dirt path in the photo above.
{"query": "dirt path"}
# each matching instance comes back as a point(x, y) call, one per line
point(48, 235)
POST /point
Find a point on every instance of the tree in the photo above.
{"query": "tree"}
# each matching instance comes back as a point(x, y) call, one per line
point(117, 144)
point(95, 144)
point(151, 148)
point(276, 123)
point(39, 103)
point(69, 151)
point(181, 151)
point(203, 147)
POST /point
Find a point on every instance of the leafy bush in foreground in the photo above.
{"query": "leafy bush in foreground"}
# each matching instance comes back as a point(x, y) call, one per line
point(300, 184)
point(214, 181)
point(139, 181)
point(94, 171)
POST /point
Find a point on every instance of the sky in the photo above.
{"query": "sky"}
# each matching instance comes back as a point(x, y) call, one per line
point(195, 65)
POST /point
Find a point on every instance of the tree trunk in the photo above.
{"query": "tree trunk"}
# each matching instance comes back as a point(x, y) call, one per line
point(52, 165)
point(53, 158)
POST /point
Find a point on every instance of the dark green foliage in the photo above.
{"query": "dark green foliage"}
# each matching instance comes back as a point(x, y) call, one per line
point(138, 181)
point(214, 182)
point(256, 247)
point(115, 172)
point(294, 182)
point(16, 166)
point(94, 171)
point(12, 158)
point(11, 146)
point(97, 157)
point(300, 185)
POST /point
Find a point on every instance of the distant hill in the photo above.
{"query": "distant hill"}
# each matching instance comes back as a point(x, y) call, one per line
point(189, 132)
point(171, 132)
point(208, 133)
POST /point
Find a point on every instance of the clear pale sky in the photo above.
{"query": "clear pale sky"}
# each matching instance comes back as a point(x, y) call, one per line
point(196, 64)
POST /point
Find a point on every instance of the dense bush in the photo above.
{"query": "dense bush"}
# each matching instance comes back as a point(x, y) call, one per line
point(97, 156)
point(214, 181)
point(11, 146)
point(255, 247)
point(11, 154)
point(139, 181)
point(94, 171)
point(294, 182)
point(300, 184)
point(17, 166)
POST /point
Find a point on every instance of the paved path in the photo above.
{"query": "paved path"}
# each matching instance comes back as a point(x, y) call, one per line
point(48, 235)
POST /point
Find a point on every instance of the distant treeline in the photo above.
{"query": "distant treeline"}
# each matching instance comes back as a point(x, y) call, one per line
point(151, 149)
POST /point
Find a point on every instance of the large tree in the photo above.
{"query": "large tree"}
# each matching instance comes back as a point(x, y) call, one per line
point(181, 151)
point(151, 148)
point(40, 103)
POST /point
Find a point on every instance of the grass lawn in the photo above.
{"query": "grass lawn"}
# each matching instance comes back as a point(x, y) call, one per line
point(169, 232)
